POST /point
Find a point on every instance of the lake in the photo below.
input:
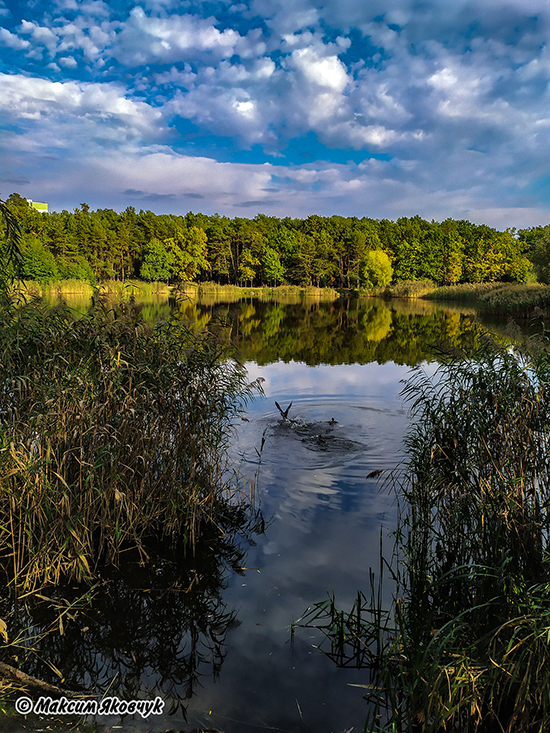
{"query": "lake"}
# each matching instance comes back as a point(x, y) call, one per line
point(213, 637)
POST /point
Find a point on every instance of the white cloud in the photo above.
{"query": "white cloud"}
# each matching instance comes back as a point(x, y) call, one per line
point(96, 8)
point(75, 104)
point(463, 117)
point(12, 41)
point(40, 35)
point(145, 39)
point(68, 62)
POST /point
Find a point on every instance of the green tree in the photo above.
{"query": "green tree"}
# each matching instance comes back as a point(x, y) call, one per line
point(305, 257)
point(156, 262)
point(10, 246)
point(247, 266)
point(536, 242)
point(273, 270)
point(79, 269)
point(451, 253)
point(377, 269)
point(187, 253)
point(219, 247)
point(36, 262)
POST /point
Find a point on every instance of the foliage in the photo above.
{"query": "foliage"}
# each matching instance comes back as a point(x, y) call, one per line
point(37, 263)
point(376, 269)
point(537, 242)
point(320, 251)
point(274, 271)
point(187, 252)
point(156, 262)
point(10, 246)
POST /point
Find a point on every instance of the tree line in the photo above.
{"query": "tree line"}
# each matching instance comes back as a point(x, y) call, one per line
point(331, 251)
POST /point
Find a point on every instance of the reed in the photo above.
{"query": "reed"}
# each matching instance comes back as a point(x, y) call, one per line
point(112, 435)
point(519, 300)
point(235, 292)
point(464, 292)
point(401, 289)
point(473, 537)
point(522, 300)
point(466, 644)
point(132, 288)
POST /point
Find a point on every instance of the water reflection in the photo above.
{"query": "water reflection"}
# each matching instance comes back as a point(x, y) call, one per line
point(339, 332)
point(147, 631)
point(210, 634)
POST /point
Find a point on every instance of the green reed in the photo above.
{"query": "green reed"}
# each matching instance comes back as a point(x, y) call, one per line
point(112, 435)
point(521, 300)
point(401, 289)
point(466, 643)
point(464, 292)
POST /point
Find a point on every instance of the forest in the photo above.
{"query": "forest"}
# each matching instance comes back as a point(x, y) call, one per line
point(335, 251)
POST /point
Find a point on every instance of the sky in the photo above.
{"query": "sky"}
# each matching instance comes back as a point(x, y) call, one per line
point(283, 107)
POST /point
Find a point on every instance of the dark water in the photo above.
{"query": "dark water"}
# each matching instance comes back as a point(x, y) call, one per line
point(212, 635)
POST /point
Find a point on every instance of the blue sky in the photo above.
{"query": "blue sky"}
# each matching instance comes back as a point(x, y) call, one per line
point(285, 107)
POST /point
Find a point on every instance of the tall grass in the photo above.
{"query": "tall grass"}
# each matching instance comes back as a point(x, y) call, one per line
point(265, 292)
point(522, 300)
point(132, 288)
point(400, 289)
point(473, 614)
point(112, 434)
point(466, 645)
point(464, 292)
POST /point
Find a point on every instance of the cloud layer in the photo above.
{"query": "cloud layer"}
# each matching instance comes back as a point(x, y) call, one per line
point(285, 107)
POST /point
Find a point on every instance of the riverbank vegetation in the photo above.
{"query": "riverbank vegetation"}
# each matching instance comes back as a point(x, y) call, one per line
point(113, 432)
point(339, 252)
point(113, 463)
point(519, 300)
point(465, 645)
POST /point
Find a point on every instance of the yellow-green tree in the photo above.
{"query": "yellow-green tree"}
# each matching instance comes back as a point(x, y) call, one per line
point(377, 269)
point(187, 250)
point(247, 266)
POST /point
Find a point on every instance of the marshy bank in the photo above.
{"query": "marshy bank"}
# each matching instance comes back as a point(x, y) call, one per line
point(465, 644)
point(114, 472)
point(523, 301)
point(120, 289)
point(506, 299)
point(209, 631)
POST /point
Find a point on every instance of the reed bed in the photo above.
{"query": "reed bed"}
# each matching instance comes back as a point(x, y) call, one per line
point(401, 289)
point(464, 292)
point(132, 288)
point(112, 435)
point(466, 644)
point(522, 300)
point(235, 292)
point(472, 611)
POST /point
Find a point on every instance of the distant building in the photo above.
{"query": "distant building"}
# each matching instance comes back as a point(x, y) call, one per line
point(38, 206)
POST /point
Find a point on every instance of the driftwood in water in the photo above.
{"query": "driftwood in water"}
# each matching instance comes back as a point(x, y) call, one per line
point(12, 673)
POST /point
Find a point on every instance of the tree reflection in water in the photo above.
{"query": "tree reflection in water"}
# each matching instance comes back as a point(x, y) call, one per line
point(147, 631)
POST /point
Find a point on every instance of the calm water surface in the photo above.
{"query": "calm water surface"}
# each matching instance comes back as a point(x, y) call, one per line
point(220, 655)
